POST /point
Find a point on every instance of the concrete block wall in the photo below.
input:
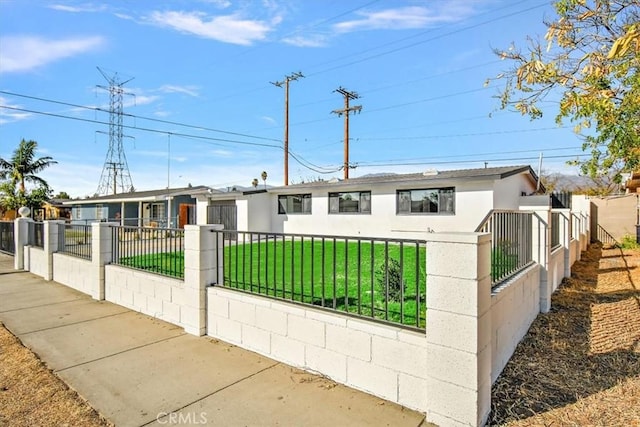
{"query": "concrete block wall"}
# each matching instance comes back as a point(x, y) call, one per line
point(158, 296)
point(77, 273)
point(36, 261)
point(383, 360)
point(459, 355)
point(514, 306)
point(556, 268)
point(574, 251)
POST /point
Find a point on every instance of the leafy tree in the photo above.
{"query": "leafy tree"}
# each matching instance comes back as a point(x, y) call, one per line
point(12, 198)
point(62, 195)
point(23, 166)
point(20, 169)
point(590, 63)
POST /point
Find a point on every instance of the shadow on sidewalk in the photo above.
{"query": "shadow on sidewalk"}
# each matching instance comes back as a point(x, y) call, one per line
point(588, 343)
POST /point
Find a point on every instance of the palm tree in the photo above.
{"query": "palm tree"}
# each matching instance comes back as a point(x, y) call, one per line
point(23, 166)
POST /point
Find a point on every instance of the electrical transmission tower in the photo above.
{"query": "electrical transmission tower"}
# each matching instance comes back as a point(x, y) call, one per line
point(285, 83)
point(346, 110)
point(115, 172)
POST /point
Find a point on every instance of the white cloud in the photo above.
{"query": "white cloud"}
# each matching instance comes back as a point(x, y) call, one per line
point(316, 40)
point(187, 90)
point(25, 53)
point(222, 153)
point(221, 4)
point(410, 17)
point(269, 120)
point(228, 28)
point(124, 16)
point(7, 115)
point(78, 9)
point(76, 178)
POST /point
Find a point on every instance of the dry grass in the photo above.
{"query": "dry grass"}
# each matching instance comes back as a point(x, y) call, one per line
point(579, 365)
point(32, 395)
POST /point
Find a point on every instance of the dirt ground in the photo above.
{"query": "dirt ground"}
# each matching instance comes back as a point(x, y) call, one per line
point(32, 395)
point(579, 365)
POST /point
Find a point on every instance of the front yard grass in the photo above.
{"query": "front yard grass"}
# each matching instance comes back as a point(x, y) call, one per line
point(347, 277)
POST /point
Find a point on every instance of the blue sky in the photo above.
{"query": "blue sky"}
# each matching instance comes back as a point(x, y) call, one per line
point(419, 68)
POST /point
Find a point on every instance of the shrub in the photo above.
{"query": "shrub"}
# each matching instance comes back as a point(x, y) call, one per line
point(629, 242)
point(392, 275)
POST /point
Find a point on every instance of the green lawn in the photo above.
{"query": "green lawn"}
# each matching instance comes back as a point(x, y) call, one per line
point(340, 277)
point(165, 263)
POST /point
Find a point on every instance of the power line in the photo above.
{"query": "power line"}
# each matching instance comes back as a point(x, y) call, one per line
point(408, 82)
point(429, 39)
point(163, 132)
point(116, 160)
point(455, 156)
point(471, 161)
point(421, 33)
point(68, 104)
point(285, 83)
point(348, 96)
point(462, 135)
point(314, 168)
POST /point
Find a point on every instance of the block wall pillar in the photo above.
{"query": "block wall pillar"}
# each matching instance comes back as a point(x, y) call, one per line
point(203, 254)
point(458, 328)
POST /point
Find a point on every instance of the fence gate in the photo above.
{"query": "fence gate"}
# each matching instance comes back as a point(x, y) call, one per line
point(7, 242)
point(223, 214)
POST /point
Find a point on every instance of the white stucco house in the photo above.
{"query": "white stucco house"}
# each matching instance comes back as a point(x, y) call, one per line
point(393, 205)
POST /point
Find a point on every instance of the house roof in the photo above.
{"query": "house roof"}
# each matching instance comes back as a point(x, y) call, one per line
point(144, 196)
point(494, 173)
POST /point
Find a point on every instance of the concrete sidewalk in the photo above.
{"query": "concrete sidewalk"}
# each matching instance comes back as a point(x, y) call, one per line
point(138, 371)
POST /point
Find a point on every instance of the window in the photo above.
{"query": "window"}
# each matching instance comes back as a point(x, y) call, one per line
point(352, 202)
point(426, 201)
point(99, 209)
point(294, 204)
point(157, 211)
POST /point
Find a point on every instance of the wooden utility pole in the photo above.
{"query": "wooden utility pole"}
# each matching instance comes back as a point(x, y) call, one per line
point(285, 83)
point(346, 110)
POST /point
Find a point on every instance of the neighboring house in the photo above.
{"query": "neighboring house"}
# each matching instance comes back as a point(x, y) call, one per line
point(394, 205)
point(174, 207)
point(632, 182)
point(53, 209)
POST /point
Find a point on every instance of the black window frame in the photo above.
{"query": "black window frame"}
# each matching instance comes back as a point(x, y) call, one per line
point(442, 192)
point(339, 195)
point(282, 209)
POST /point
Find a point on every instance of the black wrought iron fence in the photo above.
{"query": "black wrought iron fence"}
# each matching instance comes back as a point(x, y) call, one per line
point(511, 242)
point(36, 234)
point(156, 250)
point(75, 240)
point(7, 237)
point(375, 278)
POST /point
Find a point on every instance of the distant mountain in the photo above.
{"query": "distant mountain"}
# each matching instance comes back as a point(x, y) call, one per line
point(580, 184)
